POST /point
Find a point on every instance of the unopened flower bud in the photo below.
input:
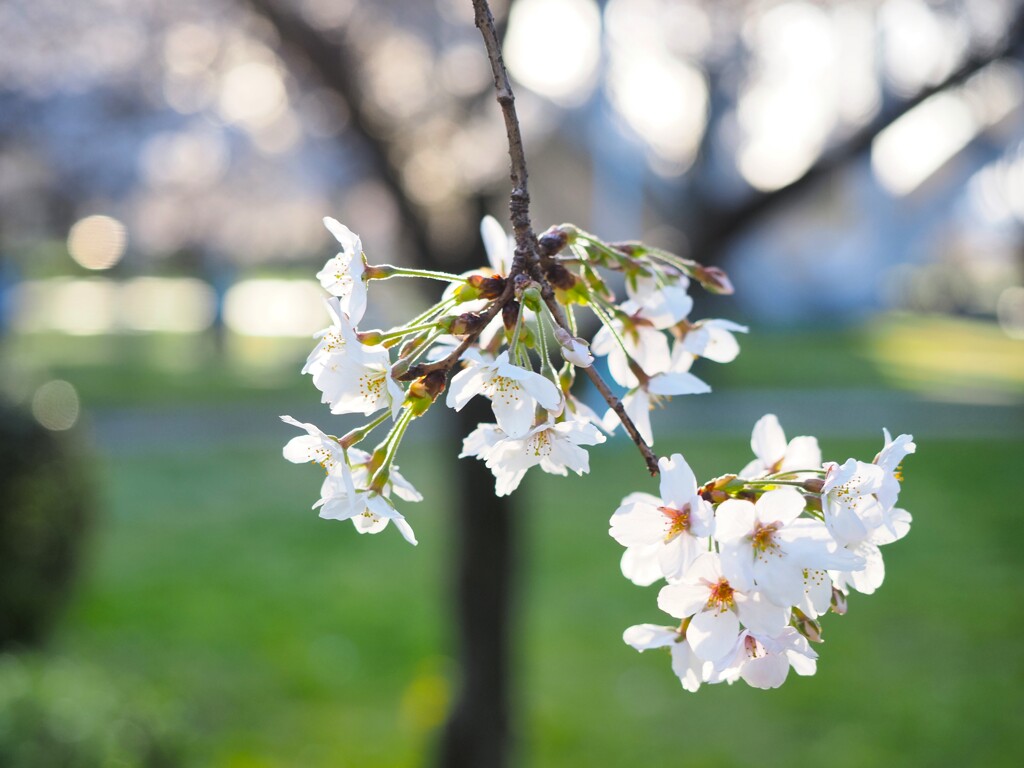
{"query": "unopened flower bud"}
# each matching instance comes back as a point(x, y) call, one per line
point(630, 249)
point(717, 490)
point(412, 344)
point(468, 322)
point(487, 287)
point(465, 292)
point(806, 626)
point(566, 377)
point(510, 314)
point(814, 484)
point(424, 391)
point(553, 241)
point(575, 350)
point(714, 280)
point(530, 297)
point(370, 337)
point(560, 277)
point(838, 602)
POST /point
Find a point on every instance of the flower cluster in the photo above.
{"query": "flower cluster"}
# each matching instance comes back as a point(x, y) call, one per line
point(753, 561)
point(494, 332)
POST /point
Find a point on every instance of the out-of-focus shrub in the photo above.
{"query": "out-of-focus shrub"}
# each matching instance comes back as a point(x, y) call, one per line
point(46, 508)
point(59, 714)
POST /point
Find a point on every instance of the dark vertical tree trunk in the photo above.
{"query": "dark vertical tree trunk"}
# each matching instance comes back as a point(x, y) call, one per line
point(479, 729)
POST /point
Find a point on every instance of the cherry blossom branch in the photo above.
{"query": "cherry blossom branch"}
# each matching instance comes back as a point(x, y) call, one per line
point(527, 257)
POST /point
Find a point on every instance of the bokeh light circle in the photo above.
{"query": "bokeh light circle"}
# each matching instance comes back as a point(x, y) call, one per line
point(55, 405)
point(97, 242)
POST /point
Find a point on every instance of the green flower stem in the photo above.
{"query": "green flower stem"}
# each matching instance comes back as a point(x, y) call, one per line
point(545, 360)
point(766, 481)
point(431, 274)
point(513, 344)
point(436, 309)
point(390, 445)
point(360, 433)
point(818, 471)
point(570, 315)
point(407, 330)
point(607, 323)
point(422, 348)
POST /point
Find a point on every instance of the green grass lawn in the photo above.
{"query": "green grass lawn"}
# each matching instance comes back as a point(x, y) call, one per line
point(275, 639)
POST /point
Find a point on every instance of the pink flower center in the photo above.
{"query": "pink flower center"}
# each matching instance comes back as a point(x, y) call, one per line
point(678, 521)
point(721, 596)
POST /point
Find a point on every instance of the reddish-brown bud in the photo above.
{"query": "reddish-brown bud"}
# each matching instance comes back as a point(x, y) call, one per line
point(489, 287)
point(814, 484)
point(553, 241)
point(510, 314)
point(430, 385)
point(560, 277)
point(468, 322)
point(715, 490)
point(714, 280)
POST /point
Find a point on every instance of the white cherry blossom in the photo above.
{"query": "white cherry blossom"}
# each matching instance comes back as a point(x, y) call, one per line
point(315, 446)
point(689, 668)
point(344, 274)
point(642, 335)
point(363, 386)
point(850, 502)
point(768, 545)
point(336, 339)
point(717, 608)
point(663, 535)
point(764, 662)
point(555, 447)
point(889, 459)
point(712, 339)
point(514, 392)
point(774, 454)
point(345, 496)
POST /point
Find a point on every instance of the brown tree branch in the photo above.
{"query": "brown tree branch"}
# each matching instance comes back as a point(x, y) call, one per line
point(519, 201)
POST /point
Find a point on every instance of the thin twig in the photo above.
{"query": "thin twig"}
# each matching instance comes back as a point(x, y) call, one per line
point(519, 202)
point(527, 258)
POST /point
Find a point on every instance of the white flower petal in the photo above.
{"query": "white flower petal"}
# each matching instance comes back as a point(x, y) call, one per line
point(781, 505)
point(678, 484)
point(683, 599)
point(643, 637)
point(768, 441)
point(712, 633)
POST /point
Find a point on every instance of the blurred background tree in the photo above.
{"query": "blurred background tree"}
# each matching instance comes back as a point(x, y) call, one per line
point(856, 166)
